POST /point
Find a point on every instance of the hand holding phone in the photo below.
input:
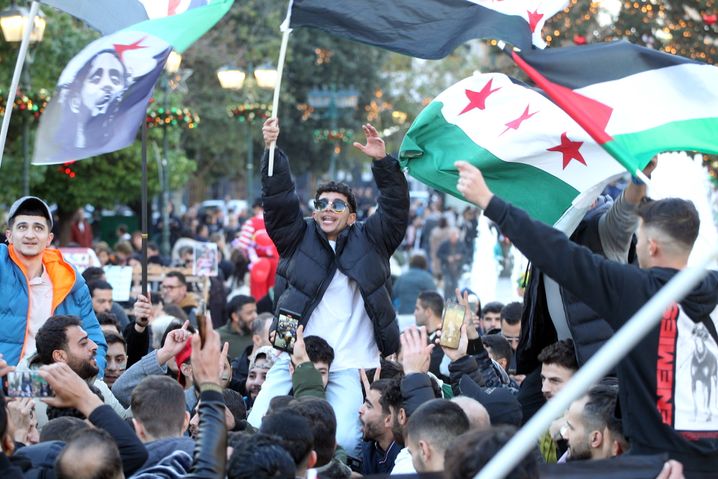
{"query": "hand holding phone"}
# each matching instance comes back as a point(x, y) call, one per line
point(452, 321)
point(286, 333)
point(27, 384)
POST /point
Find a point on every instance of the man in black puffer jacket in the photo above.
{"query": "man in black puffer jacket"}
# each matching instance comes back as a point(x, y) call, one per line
point(334, 274)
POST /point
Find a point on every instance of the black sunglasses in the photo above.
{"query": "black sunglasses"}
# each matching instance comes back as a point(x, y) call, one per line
point(337, 205)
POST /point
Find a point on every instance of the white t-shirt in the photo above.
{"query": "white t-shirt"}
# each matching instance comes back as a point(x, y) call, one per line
point(341, 319)
point(40, 303)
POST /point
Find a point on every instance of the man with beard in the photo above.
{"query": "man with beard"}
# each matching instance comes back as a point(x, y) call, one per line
point(592, 429)
point(241, 313)
point(62, 340)
point(379, 449)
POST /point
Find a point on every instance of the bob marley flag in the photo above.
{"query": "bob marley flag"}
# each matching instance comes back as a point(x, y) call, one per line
point(102, 94)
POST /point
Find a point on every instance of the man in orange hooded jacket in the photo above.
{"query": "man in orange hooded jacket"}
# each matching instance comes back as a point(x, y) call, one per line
point(36, 283)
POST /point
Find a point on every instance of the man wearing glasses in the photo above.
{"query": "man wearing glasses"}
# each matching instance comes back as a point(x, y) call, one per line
point(333, 273)
point(174, 291)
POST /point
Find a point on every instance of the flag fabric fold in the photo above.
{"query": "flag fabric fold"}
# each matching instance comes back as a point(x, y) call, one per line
point(110, 16)
point(635, 101)
point(102, 94)
point(427, 28)
point(529, 150)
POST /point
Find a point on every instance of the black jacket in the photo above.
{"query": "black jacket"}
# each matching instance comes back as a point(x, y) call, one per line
point(307, 261)
point(656, 378)
point(588, 330)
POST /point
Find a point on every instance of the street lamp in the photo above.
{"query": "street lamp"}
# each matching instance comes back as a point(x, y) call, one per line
point(12, 23)
point(333, 100)
point(172, 66)
point(13, 20)
point(233, 78)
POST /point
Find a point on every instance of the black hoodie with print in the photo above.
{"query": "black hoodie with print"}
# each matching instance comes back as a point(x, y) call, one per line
point(668, 383)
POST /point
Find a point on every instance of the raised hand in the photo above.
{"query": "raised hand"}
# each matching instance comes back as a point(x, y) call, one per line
point(460, 352)
point(299, 353)
point(69, 388)
point(472, 185)
point(142, 311)
point(374, 144)
point(174, 343)
point(270, 131)
point(415, 352)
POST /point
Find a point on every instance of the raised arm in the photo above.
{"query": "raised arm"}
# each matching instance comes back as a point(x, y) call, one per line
point(596, 281)
point(282, 214)
point(387, 226)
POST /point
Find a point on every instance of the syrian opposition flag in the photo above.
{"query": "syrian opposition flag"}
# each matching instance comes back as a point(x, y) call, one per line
point(528, 149)
point(427, 28)
point(109, 16)
point(636, 102)
point(102, 95)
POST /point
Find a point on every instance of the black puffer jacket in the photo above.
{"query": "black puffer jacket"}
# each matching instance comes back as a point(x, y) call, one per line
point(308, 263)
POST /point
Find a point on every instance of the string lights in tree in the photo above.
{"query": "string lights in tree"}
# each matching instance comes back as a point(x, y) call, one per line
point(249, 111)
point(682, 27)
point(172, 117)
point(32, 104)
point(341, 135)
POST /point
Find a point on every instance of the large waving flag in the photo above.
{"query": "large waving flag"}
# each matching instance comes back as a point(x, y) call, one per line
point(101, 96)
point(529, 150)
point(427, 28)
point(635, 101)
point(109, 16)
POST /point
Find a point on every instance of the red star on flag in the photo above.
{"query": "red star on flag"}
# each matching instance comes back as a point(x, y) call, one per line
point(515, 124)
point(534, 18)
point(172, 7)
point(477, 99)
point(569, 150)
point(121, 49)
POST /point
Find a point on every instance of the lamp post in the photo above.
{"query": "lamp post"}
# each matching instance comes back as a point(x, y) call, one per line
point(233, 78)
point(171, 67)
point(12, 23)
point(332, 100)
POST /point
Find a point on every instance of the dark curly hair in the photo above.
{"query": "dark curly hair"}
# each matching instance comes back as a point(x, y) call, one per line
point(341, 188)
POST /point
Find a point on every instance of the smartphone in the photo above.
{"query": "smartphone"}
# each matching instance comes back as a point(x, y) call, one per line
point(286, 332)
point(27, 384)
point(451, 325)
point(201, 317)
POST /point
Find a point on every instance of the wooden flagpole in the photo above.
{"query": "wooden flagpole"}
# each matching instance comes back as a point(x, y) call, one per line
point(21, 55)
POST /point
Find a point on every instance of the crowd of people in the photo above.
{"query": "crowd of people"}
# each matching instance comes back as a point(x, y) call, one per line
point(291, 363)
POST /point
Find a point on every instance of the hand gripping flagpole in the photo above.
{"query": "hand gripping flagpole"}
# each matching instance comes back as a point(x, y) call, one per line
point(280, 69)
point(596, 368)
point(21, 55)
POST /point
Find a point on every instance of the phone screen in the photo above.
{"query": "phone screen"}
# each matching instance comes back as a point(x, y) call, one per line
point(451, 325)
point(27, 384)
point(286, 333)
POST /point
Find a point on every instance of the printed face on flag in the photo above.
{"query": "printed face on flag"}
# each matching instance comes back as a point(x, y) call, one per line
point(167, 8)
point(101, 97)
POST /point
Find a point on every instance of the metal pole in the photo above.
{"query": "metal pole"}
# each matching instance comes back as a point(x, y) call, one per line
point(625, 339)
point(250, 163)
point(165, 175)
point(275, 99)
point(16, 75)
point(145, 235)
